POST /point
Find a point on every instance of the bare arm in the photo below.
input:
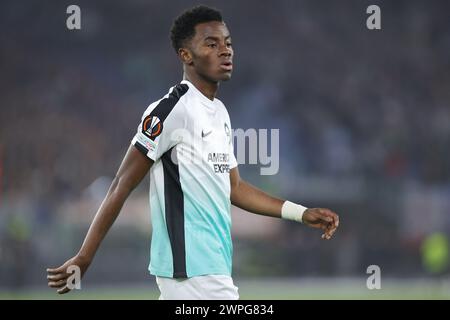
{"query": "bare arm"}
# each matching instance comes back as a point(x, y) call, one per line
point(250, 198)
point(133, 169)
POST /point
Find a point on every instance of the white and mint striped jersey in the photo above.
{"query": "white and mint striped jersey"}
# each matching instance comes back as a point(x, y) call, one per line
point(189, 138)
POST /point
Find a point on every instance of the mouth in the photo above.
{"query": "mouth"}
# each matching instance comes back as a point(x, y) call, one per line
point(226, 66)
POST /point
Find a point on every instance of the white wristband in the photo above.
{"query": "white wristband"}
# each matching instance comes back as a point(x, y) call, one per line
point(292, 211)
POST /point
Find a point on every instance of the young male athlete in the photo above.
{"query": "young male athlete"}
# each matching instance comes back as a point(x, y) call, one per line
point(185, 140)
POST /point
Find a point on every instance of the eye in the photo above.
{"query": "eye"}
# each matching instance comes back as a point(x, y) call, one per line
point(212, 45)
point(229, 44)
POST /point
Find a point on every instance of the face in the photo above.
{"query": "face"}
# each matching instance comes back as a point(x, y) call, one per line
point(209, 53)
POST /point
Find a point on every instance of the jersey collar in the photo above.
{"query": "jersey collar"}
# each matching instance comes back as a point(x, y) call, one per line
point(201, 96)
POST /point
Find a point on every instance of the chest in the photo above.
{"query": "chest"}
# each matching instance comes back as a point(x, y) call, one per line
point(210, 131)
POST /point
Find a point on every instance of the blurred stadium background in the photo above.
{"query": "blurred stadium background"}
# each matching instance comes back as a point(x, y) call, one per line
point(364, 119)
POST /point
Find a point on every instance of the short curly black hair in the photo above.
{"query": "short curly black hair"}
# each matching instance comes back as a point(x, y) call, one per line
point(183, 27)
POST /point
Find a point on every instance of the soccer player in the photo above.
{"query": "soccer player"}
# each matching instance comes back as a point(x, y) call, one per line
point(185, 140)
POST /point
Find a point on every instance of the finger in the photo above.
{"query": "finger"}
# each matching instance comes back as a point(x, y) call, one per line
point(58, 277)
point(331, 230)
point(335, 219)
point(326, 236)
point(331, 233)
point(325, 226)
point(334, 216)
point(331, 226)
point(327, 212)
point(325, 215)
point(57, 284)
point(56, 270)
point(63, 290)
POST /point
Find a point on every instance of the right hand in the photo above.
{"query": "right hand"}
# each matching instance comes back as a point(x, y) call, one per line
point(57, 277)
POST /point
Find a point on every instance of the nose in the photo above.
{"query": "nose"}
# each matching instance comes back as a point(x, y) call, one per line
point(225, 51)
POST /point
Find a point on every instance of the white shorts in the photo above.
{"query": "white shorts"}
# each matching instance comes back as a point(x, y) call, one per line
point(209, 287)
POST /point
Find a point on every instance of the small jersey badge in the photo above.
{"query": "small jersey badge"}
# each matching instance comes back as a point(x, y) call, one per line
point(152, 126)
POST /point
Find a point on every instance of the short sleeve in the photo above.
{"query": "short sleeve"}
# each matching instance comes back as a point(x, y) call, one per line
point(156, 132)
point(232, 162)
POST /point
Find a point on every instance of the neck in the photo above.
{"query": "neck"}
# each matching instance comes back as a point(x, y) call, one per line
point(208, 88)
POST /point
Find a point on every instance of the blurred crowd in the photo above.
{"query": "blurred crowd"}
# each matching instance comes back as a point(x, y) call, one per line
point(362, 113)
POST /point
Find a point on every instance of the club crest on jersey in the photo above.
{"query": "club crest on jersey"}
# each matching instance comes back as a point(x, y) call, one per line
point(152, 126)
point(227, 132)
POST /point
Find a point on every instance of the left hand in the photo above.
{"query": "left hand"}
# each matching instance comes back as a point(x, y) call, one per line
point(57, 277)
point(321, 218)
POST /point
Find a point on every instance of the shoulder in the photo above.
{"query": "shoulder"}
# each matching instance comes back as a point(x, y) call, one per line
point(172, 102)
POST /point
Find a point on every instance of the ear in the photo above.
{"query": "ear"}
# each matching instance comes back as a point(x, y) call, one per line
point(185, 55)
